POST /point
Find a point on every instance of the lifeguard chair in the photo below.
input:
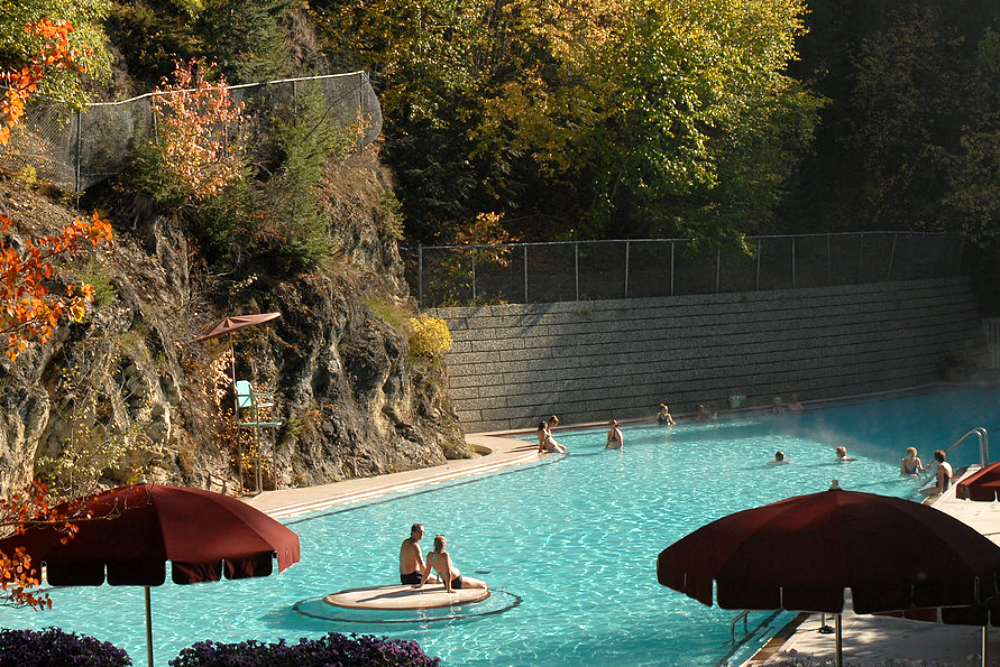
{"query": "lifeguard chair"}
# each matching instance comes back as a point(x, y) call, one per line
point(254, 411)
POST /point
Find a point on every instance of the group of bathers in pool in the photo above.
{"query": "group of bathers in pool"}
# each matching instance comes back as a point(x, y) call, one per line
point(413, 578)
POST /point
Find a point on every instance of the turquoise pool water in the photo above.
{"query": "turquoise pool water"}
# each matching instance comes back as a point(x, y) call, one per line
point(575, 539)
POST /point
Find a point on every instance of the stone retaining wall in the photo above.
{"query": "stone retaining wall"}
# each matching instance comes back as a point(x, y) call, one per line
point(593, 360)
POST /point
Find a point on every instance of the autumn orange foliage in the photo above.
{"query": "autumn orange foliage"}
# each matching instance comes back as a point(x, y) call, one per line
point(19, 577)
point(193, 120)
point(21, 83)
point(28, 312)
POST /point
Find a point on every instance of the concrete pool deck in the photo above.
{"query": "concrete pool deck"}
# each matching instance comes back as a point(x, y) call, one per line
point(868, 641)
point(493, 453)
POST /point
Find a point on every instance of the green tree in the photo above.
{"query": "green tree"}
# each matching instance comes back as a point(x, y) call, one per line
point(88, 39)
point(906, 118)
point(245, 39)
point(618, 115)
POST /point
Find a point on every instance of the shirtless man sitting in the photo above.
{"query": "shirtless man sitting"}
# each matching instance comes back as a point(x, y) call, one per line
point(411, 559)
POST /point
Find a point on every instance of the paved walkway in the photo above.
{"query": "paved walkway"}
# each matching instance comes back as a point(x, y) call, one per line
point(492, 453)
point(868, 641)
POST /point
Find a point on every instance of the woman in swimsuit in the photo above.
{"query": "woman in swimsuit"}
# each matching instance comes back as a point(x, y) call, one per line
point(911, 465)
point(440, 560)
point(664, 418)
point(546, 443)
point(615, 438)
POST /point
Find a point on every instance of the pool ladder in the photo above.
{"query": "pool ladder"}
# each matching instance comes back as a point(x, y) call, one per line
point(732, 626)
point(984, 444)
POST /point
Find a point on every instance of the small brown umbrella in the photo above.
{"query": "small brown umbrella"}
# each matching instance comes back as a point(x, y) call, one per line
point(134, 530)
point(234, 322)
point(800, 554)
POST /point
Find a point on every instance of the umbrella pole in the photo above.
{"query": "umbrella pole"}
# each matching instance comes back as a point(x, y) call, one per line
point(986, 644)
point(839, 655)
point(149, 630)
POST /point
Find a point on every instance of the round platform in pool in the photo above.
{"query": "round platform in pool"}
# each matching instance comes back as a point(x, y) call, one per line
point(404, 597)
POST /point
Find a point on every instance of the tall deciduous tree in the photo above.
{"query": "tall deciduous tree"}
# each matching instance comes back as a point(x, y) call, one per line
point(619, 115)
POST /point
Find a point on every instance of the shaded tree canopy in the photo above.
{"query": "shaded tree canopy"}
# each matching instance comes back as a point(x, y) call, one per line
point(583, 119)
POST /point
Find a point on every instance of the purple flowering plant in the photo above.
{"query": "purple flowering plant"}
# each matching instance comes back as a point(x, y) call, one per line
point(52, 646)
point(331, 650)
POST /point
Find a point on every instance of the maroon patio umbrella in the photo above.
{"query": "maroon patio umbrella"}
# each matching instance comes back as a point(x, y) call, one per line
point(982, 485)
point(801, 554)
point(134, 530)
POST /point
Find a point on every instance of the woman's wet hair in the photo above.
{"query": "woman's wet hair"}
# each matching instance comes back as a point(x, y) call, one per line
point(541, 426)
point(911, 449)
point(439, 543)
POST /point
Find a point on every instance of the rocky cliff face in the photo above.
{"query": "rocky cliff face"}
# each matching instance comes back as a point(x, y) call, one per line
point(128, 392)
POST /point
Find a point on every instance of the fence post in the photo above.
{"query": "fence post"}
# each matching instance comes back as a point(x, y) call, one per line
point(828, 260)
point(892, 256)
point(626, 268)
point(793, 263)
point(718, 266)
point(473, 275)
point(760, 251)
point(861, 258)
point(79, 153)
point(671, 268)
point(525, 273)
point(420, 274)
point(576, 267)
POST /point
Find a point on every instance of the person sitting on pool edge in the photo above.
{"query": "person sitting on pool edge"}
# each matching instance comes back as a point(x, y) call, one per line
point(411, 560)
point(944, 475)
point(440, 560)
point(546, 443)
point(779, 459)
point(842, 454)
point(615, 438)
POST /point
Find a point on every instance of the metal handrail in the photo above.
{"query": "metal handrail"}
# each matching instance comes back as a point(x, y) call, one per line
point(984, 444)
point(732, 626)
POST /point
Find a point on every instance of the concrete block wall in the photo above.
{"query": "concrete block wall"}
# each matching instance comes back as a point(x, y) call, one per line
point(588, 361)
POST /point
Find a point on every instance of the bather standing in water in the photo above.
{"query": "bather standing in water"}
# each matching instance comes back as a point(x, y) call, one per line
point(910, 465)
point(779, 459)
point(664, 418)
point(440, 560)
point(842, 454)
point(615, 438)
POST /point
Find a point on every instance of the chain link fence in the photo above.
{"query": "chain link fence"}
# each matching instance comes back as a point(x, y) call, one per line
point(591, 270)
point(75, 150)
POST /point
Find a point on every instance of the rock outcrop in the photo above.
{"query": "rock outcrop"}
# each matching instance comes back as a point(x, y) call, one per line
point(128, 392)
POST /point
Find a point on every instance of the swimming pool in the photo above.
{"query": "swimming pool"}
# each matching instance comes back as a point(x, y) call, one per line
point(575, 538)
